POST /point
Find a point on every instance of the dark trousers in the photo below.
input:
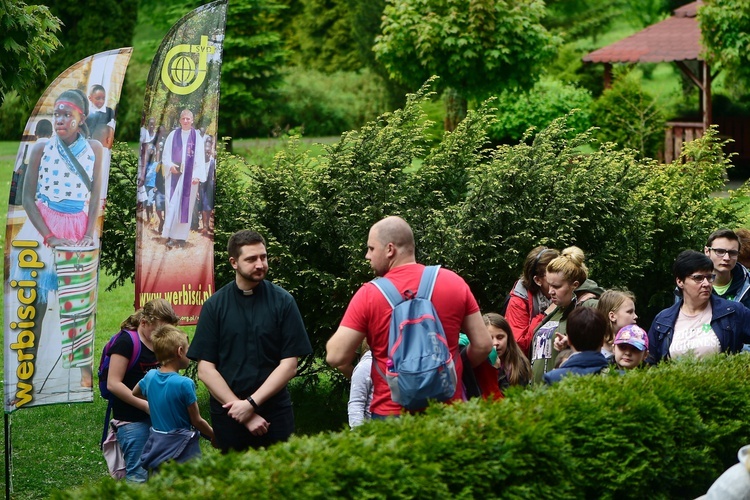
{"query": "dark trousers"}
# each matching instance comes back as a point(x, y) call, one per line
point(232, 435)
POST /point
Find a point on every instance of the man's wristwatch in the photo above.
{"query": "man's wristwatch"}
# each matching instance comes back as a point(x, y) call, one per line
point(253, 403)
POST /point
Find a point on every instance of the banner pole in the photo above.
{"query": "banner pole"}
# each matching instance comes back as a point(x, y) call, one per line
point(8, 457)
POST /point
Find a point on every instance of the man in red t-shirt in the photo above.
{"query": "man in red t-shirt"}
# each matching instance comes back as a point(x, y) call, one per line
point(390, 250)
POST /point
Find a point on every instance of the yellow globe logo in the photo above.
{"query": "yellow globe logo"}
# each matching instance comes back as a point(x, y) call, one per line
point(182, 70)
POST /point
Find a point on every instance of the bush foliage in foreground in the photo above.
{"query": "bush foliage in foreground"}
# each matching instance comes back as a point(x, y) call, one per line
point(667, 432)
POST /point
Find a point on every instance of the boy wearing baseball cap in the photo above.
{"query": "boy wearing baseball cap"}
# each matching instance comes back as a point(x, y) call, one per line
point(631, 347)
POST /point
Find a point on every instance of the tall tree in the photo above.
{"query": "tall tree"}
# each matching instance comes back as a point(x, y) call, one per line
point(322, 37)
point(725, 29)
point(251, 66)
point(575, 19)
point(254, 56)
point(476, 47)
point(88, 27)
point(27, 38)
point(365, 27)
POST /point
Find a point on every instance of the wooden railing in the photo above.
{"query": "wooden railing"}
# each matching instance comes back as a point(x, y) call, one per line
point(677, 134)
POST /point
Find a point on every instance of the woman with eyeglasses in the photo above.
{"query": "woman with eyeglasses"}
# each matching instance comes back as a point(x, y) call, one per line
point(700, 323)
point(529, 297)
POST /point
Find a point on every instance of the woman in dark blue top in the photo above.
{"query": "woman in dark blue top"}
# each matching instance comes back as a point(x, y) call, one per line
point(700, 323)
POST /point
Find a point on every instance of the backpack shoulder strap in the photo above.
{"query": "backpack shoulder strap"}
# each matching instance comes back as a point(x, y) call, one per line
point(136, 348)
point(389, 291)
point(427, 283)
point(107, 415)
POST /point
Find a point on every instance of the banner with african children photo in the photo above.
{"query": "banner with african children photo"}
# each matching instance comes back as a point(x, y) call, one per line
point(177, 165)
point(55, 217)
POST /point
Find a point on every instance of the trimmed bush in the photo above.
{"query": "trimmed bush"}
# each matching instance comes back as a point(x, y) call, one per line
point(665, 432)
point(630, 116)
point(474, 210)
point(547, 100)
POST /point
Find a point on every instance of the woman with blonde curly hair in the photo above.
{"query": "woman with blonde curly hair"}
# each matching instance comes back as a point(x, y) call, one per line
point(569, 287)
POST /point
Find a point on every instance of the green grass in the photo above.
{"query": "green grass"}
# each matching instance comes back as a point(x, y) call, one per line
point(262, 151)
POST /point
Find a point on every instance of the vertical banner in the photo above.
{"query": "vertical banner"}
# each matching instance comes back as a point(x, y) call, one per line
point(55, 217)
point(176, 166)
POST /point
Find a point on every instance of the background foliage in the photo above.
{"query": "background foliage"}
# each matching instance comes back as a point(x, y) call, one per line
point(665, 432)
point(281, 55)
point(475, 47)
point(628, 115)
point(27, 38)
point(319, 104)
point(538, 107)
point(473, 209)
point(725, 26)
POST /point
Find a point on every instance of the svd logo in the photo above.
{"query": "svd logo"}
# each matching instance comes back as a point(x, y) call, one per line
point(180, 73)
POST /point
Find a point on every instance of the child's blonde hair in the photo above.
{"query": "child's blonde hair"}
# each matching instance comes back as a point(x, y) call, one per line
point(166, 340)
point(611, 301)
point(153, 310)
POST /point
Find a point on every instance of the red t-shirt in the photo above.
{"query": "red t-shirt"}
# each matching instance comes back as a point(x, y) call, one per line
point(370, 313)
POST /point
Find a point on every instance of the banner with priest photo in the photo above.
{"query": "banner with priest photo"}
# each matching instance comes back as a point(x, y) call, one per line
point(177, 165)
point(55, 217)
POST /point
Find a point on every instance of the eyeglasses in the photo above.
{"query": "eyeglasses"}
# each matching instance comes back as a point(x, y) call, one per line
point(721, 252)
point(698, 278)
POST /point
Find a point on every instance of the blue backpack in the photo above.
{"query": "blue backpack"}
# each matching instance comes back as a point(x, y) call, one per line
point(420, 366)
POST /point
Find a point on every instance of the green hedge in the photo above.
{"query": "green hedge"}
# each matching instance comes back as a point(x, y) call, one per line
point(667, 432)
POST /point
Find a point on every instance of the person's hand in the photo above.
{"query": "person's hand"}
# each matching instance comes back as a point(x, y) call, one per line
point(561, 341)
point(240, 409)
point(257, 425)
point(214, 443)
point(196, 180)
point(54, 241)
point(86, 241)
point(175, 169)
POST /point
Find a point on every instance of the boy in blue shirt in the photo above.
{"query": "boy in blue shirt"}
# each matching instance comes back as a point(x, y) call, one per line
point(176, 422)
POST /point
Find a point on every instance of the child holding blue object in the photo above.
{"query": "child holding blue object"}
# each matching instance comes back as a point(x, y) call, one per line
point(505, 366)
point(175, 418)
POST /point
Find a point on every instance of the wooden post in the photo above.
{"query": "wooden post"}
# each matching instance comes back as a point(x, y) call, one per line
point(607, 76)
point(706, 95)
point(669, 145)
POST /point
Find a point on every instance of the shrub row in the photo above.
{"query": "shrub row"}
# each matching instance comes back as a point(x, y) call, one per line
point(666, 432)
point(474, 210)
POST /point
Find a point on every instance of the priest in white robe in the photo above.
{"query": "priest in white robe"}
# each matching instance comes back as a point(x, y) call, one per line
point(183, 163)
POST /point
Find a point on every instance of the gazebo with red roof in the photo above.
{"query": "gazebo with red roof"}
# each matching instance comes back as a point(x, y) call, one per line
point(676, 39)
